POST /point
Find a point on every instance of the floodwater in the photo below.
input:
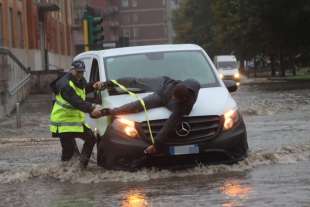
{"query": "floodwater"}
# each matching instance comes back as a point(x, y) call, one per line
point(276, 173)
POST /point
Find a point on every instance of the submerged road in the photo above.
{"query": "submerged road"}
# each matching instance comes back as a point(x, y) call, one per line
point(276, 173)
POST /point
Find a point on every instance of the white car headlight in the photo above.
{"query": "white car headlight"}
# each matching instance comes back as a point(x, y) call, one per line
point(237, 75)
point(127, 127)
point(221, 75)
point(231, 117)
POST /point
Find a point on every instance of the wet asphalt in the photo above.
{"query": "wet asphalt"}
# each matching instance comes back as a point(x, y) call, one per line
point(276, 173)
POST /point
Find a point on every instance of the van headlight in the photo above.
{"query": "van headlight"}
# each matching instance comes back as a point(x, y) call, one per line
point(237, 75)
point(127, 127)
point(221, 76)
point(231, 117)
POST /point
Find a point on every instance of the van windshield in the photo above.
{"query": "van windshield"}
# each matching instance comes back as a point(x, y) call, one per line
point(227, 65)
point(179, 65)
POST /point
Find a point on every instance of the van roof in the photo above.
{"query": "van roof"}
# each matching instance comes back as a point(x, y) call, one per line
point(140, 49)
point(226, 58)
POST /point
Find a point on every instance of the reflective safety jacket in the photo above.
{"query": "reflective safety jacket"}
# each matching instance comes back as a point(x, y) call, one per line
point(69, 107)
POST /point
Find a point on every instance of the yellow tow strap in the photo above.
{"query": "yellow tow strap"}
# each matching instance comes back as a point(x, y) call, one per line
point(142, 103)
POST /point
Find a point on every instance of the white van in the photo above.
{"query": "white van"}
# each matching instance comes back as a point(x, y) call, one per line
point(215, 128)
point(227, 67)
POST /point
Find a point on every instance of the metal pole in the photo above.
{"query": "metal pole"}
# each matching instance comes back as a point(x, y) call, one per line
point(18, 117)
point(85, 35)
point(42, 45)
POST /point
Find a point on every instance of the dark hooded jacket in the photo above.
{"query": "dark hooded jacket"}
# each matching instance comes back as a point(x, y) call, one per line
point(163, 86)
point(163, 89)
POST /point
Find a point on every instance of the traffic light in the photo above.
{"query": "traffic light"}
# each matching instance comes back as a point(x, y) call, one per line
point(93, 32)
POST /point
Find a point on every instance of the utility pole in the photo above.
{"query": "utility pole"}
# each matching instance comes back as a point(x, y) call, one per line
point(93, 34)
point(85, 35)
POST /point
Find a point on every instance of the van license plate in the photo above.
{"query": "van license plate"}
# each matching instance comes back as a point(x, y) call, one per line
point(184, 150)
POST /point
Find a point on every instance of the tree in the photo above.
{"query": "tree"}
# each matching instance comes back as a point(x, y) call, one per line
point(277, 30)
point(194, 23)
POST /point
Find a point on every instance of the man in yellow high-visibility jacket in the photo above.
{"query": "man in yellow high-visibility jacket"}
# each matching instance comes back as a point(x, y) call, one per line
point(68, 113)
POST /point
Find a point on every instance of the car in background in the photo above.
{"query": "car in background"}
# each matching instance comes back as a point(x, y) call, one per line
point(214, 131)
point(227, 67)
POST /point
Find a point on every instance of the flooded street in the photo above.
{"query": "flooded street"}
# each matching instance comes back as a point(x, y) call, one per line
point(276, 172)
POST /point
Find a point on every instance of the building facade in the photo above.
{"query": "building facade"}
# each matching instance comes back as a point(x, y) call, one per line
point(143, 22)
point(147, 22)
point(20, 32)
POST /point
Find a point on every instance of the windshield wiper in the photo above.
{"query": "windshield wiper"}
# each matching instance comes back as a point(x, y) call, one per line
point(117, 90)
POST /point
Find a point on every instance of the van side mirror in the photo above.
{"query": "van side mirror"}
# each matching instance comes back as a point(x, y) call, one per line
point(231, 85)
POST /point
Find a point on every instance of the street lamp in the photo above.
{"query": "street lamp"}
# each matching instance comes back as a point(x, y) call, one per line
point(43, 8)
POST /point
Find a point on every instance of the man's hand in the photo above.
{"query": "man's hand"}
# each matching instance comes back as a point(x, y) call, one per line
point(99, 85)
point(150, 150)
point(96, 113)
point(105, 112)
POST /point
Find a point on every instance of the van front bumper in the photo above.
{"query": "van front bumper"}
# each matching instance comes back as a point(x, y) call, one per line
point(231, 77)
point(117, 151)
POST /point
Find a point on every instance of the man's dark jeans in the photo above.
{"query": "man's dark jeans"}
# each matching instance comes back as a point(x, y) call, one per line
point(68, 144)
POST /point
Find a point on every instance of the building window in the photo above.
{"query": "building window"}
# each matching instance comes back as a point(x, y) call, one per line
point(1, 26)
point(135, 33)
point(61, 4)
point(164, 17)
point(135, 17)
point(11, 28)
point(134, 3)
point(126, 33)
point(20, 30)
point(165, 31)
point(126, 19)
point(125, 3)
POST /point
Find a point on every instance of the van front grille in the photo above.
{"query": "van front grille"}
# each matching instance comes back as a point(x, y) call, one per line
point(201, 129)
point(230, 77)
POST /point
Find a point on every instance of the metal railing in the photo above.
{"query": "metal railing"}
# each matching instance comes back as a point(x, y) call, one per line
point(14, 74)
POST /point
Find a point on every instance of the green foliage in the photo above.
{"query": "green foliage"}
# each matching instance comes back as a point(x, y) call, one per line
point(278, 29)
point(194, 25)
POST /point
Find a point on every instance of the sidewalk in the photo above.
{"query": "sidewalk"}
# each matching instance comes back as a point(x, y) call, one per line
point(34, 119)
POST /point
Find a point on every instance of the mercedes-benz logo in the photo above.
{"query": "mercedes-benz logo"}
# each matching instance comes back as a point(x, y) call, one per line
point(184, 130)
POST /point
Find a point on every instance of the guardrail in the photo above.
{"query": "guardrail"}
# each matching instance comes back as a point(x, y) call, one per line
point(14, 73)
point(14, 81)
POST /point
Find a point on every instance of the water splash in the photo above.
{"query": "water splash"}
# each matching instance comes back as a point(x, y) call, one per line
point(270, 103)
point(70, 172)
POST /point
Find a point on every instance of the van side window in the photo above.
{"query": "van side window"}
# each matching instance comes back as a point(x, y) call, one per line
point(94, 97)
point(94, 74)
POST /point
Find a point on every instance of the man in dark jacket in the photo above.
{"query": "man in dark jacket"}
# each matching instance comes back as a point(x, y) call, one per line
point(68, 113)
point(178, 96)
